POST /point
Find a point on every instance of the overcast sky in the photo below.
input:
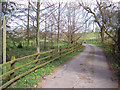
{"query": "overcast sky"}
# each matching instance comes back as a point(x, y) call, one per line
point(52, 1)
point(24, 1)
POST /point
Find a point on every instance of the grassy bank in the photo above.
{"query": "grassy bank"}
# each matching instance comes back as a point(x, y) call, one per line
point(31, 79)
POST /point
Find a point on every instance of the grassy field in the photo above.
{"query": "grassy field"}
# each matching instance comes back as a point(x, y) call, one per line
point(90, 35)
point(31, 79)
point(93, 35)
point(97, 43)
point(21, 52)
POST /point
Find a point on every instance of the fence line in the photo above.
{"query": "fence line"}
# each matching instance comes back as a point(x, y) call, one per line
point(52, 53)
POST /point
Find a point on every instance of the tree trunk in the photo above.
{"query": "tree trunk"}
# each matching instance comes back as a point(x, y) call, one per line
point(118, 40)
point(102, 35)
point(4, 44)
point(58, 26)
point(45, 35)
point(73, 27)
point(45, 41)
point(68, 36)
point(28, 26)
point(52, 36)
point(0, 32)
point(37, 39)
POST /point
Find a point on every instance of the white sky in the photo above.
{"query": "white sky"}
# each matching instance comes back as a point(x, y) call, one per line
point(54, 1)
point(21, 1)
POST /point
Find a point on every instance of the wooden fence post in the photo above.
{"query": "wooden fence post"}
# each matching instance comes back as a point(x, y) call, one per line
point(32, 44)
point(12, 67)
point(4, 44)
point(51, 53)
point(60, 49)
point(36, 58)
point(74, 47)
point(79, 46)
point(67, 46)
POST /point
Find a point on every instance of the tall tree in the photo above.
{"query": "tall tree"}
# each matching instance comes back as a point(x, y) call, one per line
point(38, 32)
point(51, 35)
point(73, 27)
point(104, 14)
point(28, 35)
point(45, 33)
point(4, 43)
point(0, 32)
point(58, 36)
point(96, 16)
point(119, 29)
point(68, 8)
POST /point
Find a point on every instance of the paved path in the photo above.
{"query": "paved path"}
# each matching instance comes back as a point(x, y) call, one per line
point(88, 70)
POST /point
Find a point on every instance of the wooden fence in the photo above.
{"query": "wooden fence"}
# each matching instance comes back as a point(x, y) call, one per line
point(52, 55)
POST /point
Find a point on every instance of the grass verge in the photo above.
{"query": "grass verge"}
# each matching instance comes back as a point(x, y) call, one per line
point(32, 78)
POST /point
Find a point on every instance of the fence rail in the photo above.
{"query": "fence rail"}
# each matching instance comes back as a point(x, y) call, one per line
point(56, 53)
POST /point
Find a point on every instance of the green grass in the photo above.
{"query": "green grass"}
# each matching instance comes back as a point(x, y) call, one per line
point(89, 35)
point(93, 35)
point(97, 43)
point(31, 79)
point(21, 52)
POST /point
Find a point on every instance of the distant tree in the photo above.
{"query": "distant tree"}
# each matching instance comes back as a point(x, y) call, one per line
point(70, 22)
point(104, 15)
point(96, 16)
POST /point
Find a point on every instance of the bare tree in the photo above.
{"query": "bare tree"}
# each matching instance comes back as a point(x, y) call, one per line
point(38, 32)
point(118, 28)
point(45, 36)
point(28, 25)
point(101, 25)
point(51, 35)
point(58, 41)
point(102, 16)
point(0, 32)
point(70, 21)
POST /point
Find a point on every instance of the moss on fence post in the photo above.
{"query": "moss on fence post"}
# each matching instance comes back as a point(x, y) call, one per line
point(12, 67)
point(60, 49)
point(36, 58)
point(51, 54)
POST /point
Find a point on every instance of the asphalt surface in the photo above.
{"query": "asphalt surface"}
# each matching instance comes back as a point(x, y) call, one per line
point(88, 70)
